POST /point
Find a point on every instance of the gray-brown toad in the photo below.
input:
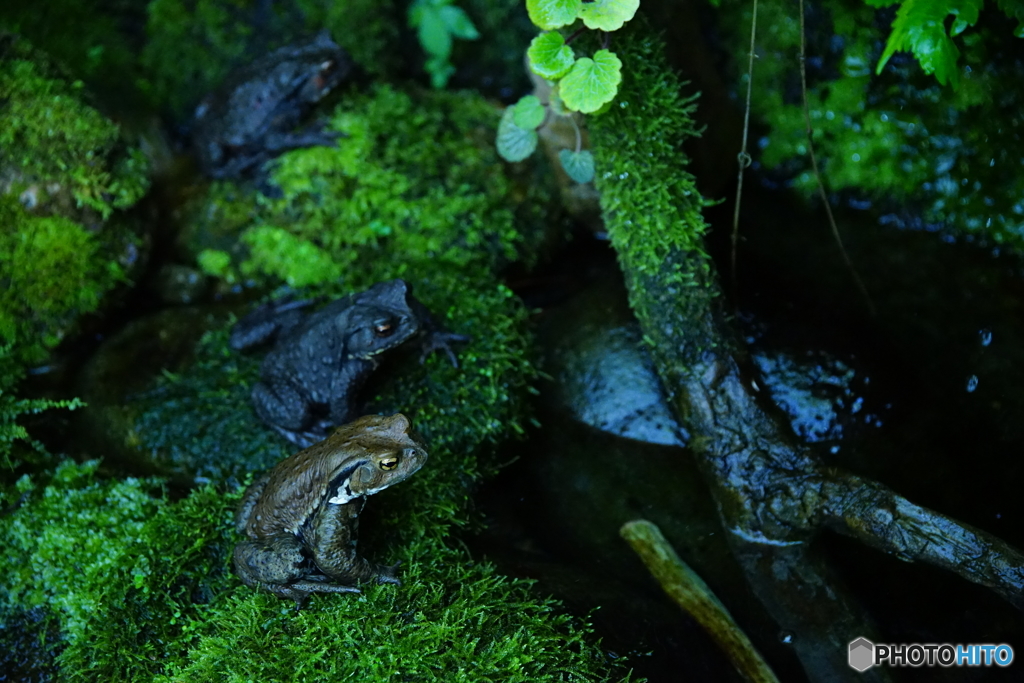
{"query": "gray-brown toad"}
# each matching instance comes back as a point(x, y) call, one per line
point(252, 117)
point(310, 379)
point(301, 518)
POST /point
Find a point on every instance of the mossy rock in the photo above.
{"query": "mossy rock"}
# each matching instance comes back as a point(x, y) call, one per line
point(200, 423)
point(65, 175)
point(416, 176)
point(62, 156)
point(415, 191)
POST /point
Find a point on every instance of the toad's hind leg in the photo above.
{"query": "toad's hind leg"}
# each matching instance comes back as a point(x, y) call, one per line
point(278, 564)
point(281, 405)
point(249, 500)
point(276, 560)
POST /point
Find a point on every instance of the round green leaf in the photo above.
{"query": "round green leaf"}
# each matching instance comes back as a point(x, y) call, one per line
point(591, 82)
point(608, 15)
point(549, 56)
point(528, 112)
point(551, 14)
point(514, 143)
point(434, 35)
point(579, 165)
point(458, 22)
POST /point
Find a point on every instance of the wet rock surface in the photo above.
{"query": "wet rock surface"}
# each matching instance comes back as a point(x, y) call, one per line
point(31, 640)
point(125, 366)
point(602, 374)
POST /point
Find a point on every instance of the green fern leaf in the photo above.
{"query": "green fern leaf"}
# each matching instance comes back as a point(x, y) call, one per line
point(920, 27)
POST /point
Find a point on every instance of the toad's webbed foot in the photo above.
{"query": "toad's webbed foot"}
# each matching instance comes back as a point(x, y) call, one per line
point(388, 574)
point(301, 590)
point(441, 340)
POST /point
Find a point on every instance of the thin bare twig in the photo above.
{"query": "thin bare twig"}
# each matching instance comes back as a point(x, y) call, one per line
point(695, 597)
point(743, 157)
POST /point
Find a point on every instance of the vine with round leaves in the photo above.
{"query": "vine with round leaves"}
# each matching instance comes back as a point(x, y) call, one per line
point(579, 84)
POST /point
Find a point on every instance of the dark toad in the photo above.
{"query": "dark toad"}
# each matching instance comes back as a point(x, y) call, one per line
point(253, 116)
point(301, 518)
point(311, 378)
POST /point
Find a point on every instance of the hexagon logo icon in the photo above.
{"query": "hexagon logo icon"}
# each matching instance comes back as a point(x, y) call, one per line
point(862, 654)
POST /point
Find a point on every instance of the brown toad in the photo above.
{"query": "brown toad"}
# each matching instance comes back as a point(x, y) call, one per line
point(301, 518)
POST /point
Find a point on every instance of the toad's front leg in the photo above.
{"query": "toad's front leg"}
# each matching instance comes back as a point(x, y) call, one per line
point(332, 541)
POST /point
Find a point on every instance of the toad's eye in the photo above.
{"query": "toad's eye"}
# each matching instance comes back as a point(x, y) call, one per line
point(388, 464)
point(384, 329)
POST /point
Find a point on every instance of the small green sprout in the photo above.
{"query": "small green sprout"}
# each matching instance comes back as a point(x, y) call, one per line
point(439, 22)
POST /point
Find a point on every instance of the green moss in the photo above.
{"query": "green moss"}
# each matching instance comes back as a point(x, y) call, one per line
point(417, 176)
point(67, 163)
point(142, 589)
point(149, 605)
point(277, 252)
point(51, 270)
point(898, 138)
point(52, 139)
point(838, 109)
point(56, 552)
point(490, 387)
point(122, 569)
point(648, 178)
point(451, 621)
point(200, 424)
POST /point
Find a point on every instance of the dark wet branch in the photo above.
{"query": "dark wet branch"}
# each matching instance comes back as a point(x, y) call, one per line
point(767, 486)
point(877, 516)
point(778, 491)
